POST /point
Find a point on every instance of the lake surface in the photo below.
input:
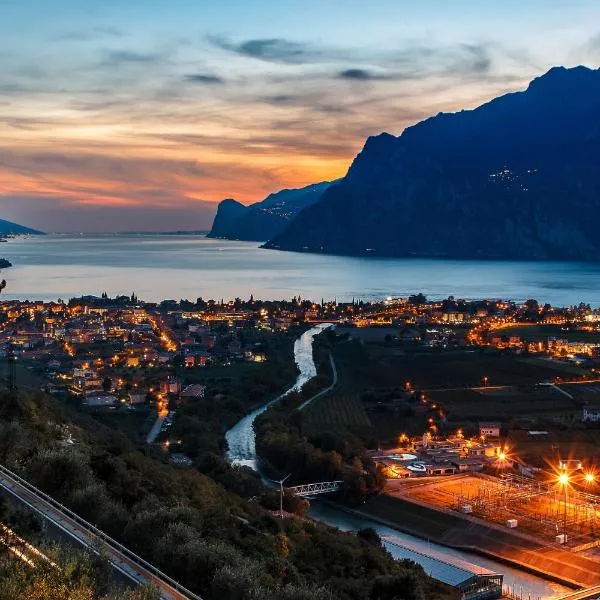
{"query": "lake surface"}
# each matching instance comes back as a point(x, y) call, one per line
point(159, 267)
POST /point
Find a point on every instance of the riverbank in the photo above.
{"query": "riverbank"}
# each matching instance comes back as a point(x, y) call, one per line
point(473, 535)
point(241, 439)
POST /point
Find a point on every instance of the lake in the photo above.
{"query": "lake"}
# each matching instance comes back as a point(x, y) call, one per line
point(158, 267)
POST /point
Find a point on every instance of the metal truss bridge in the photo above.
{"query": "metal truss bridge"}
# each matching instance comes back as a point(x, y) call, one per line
point(315, 489)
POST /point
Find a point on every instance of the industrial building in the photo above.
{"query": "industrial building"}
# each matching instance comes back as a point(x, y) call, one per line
point(471, 581)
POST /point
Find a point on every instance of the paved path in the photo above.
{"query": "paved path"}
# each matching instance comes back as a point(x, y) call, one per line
point(560, 390)
point(326, 390)
point(155, 430)
point(129, 564)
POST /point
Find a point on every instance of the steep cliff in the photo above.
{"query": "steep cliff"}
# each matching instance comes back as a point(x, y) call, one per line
point(518, 178)
point(266, 219)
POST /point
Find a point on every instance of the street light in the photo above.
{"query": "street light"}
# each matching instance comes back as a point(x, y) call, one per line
point(590, 478)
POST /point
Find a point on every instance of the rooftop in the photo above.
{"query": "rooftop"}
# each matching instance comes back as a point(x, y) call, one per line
point(442, 566)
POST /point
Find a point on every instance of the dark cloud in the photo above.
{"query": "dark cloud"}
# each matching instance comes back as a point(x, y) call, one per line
point(477, 59)
point(118, 57)
point(360, 75)
point(591, 48)
point(423, 61)
point(202, 78)
point(413, 60)
point(91, 34)
point(283, 99)
point(277, 50)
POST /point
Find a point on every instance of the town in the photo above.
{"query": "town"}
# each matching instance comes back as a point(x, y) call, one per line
point(485, 410)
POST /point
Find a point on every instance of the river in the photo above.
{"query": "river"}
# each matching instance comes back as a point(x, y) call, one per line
point(240, 438)
point(242, 450)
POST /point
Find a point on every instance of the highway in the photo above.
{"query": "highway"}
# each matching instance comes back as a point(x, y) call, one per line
point(126, 562)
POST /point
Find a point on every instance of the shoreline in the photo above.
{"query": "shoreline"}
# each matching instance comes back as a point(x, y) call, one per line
point(472, 549)
point(475, 540)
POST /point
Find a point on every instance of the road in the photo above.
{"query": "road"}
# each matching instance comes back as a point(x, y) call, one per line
point(326, 390)
point(155, 429)
point(126, 562)
point(587, 594)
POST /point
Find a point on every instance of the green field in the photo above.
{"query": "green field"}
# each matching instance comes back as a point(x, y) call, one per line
point(367, 366)
point(338, 414)
point(380, 372)
point(505, 405)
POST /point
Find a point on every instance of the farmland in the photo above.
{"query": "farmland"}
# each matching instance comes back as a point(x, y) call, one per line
point(505, 404)
point(466, 385)
point(337, 414)
point(369, 366)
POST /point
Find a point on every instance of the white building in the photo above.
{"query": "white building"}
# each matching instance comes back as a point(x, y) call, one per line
point(591, 414)
point(489, 430)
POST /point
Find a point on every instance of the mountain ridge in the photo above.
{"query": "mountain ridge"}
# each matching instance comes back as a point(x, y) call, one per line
point(10, 228)
point(515, 178)
point(263, 220)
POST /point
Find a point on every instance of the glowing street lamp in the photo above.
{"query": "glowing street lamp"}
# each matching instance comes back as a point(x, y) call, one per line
point(590, 478)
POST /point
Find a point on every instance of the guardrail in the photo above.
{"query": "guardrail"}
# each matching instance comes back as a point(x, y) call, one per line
point(95, 533)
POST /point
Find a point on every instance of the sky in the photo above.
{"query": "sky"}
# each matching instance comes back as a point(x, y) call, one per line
point(142, 115)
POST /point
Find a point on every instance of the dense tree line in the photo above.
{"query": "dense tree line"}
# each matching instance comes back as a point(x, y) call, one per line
point(188, 524)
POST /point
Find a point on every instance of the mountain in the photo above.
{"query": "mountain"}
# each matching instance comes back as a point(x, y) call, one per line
point(266, 219)
point(516, 178)
point(8, 228)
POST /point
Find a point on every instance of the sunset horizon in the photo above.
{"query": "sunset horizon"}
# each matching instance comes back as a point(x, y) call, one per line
point(119, 118)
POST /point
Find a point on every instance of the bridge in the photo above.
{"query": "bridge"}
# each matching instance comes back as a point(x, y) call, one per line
point(315, 489)
point(121, 558)
point(586, 594)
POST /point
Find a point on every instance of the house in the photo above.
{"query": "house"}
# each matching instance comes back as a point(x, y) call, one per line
point(489, 430)
point(591, 414)
point(170, 386)
point(137, 398)
point(193, 392)
point(98, 399)
point(208, 341)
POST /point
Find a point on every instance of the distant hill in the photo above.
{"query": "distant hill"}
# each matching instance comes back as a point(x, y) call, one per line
point(516, 178)
point(8, 228)
point(266, 219)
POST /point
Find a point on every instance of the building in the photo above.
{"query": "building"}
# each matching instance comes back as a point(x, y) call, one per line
point(472, 582)
point(193, 392)
point(489, 430)
point(100, 399)
point(591, 414)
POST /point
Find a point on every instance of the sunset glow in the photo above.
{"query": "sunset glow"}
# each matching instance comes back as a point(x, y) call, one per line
point(171, 107)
